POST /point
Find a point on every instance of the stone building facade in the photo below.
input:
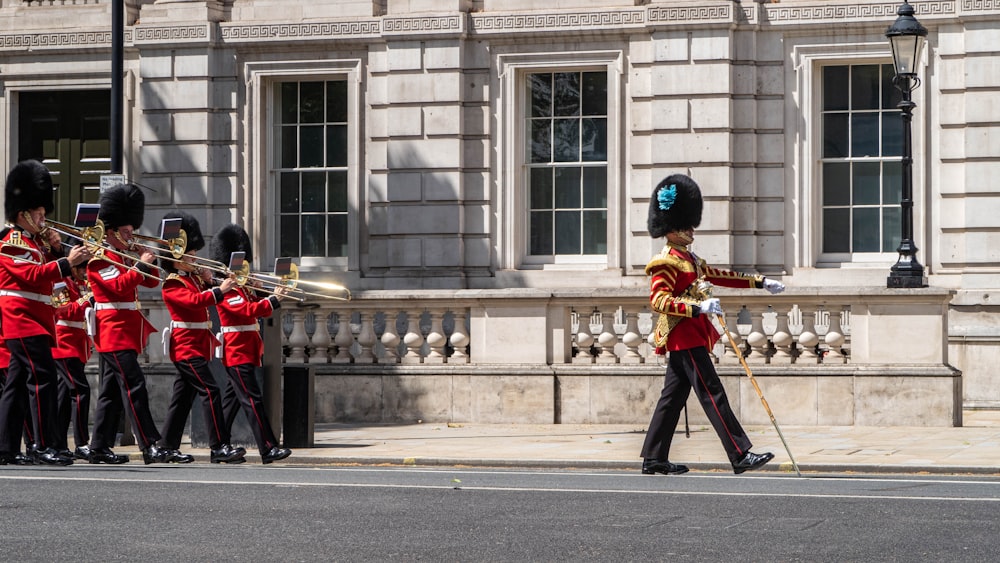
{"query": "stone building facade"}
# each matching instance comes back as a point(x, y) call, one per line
point(501, 153)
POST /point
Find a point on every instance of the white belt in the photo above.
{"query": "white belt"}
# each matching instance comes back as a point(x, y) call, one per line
point(207, 325)
point(240, 328)
point(130, 306)
point(47, 299)
point(71, 324)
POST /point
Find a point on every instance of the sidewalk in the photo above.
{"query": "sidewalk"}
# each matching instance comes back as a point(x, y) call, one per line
point(973, 448)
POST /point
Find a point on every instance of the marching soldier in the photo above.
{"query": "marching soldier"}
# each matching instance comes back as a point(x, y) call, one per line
point(243, 348)
point(190, 344)
point(26, 282)
point(122, 330)
point(685, 330)
point(73, 349)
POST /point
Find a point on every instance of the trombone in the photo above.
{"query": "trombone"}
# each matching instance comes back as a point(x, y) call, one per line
point(291, 281)
point(177, 246)
point(29, 250)
point(93, 239)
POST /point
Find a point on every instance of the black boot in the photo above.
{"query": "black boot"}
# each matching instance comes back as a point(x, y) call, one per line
point(152, 454)
point(227, 454)
point(654, 466)
point(751, 461)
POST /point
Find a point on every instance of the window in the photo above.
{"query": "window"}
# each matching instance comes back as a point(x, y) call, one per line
point(566, 138)
point(861, 169)
point(310, 165)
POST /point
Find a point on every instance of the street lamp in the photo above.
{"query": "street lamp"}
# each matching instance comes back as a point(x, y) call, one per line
point(907, 38)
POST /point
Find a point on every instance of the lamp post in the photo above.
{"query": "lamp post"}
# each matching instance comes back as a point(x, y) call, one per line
point(907, 38)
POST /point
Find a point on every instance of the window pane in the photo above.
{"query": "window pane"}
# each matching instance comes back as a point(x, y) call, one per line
point(336, 101)
point(892, 182)
point(541, 140)
point(595, 188)
point(567, 188)
point(337, 192)
point(314, 192)
point(891, 229)
point(313, 235)
point(312, 102)
point(866, 231)
point(595, 232)
point(865, 93)
point(595, 140)
point(541, 233)
point(289, 147)
point(541, 94)
point(288, 245)
point(311, 146)
point(891, 96)
point(337, 244)
point(290, 102)
point(867, 183)
point(567, 94)
point(836, 230)
point(835, 135)
point(834, 88)
point(336, 145)
point(595, 93)
point(566, 139)
point(289, 192)
point(567, 232)
point(836, 183)
point(541, 188)
point(892, 134)
point(864, 134)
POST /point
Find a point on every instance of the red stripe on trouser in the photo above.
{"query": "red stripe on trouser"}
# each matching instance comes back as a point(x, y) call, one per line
point(208, 397)
point(40, 438)
point(135, 416)
point(253, 406)
point(714, 405)
point(74, 393)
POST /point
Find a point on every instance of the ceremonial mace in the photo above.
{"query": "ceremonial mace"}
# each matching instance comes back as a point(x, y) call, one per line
point(706, 288)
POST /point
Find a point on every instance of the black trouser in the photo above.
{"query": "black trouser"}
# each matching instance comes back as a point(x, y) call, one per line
point(243, 390)
point(31, 383)
point(74, 402)
point(194, 377)
point(687, 369)
point(123, 383)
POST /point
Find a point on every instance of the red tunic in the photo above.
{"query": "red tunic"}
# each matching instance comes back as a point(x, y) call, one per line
point(672, 293)
point(123, 328)
point(188, 303)
point(27, 309)
point(72, 340)
point(238, 311)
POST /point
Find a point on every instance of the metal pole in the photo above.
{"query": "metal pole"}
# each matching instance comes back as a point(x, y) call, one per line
point(907, 271)
point(117, 88)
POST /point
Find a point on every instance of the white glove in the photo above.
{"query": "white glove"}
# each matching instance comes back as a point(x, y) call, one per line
point(773, 286)
point(710, 306)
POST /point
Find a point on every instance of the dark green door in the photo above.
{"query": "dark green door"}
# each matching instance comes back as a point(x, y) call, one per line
point(69, 132)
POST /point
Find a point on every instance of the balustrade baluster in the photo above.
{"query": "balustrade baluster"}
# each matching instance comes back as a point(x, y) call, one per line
point(436, 339)
point(729, 356)
point(413, 339)
point(757, 339)
point(459, 339)
point(834, 339)
point(366, 338)
point(320, 339)
point(344, 338)
point(632, 339)
point(390, 339)
point(298, 339)
point(782, 338)
point(808, 339)
point(584, 340)
point(607, 339)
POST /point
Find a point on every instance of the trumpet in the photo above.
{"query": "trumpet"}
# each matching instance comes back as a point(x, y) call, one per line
point(93, 239)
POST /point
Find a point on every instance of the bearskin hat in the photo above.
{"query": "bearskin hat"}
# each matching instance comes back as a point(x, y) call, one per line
point(674, 206)
point(195, 240)
point(124, 204)
point(29, 185)
point(231, 238)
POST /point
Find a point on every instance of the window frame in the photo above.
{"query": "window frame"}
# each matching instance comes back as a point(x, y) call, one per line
point(512, 170)
point(806, 140)
point(262, 212)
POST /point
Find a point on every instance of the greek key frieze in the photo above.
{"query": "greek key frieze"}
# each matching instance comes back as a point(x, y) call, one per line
point(980, 5)
point(487, 23)
point(318, 30)
point(881, 10)
point(692, 14)
point(33, 40)
point(422, 25)
point(172, 33)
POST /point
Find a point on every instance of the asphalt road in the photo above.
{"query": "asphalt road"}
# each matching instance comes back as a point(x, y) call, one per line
point(287, 513)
